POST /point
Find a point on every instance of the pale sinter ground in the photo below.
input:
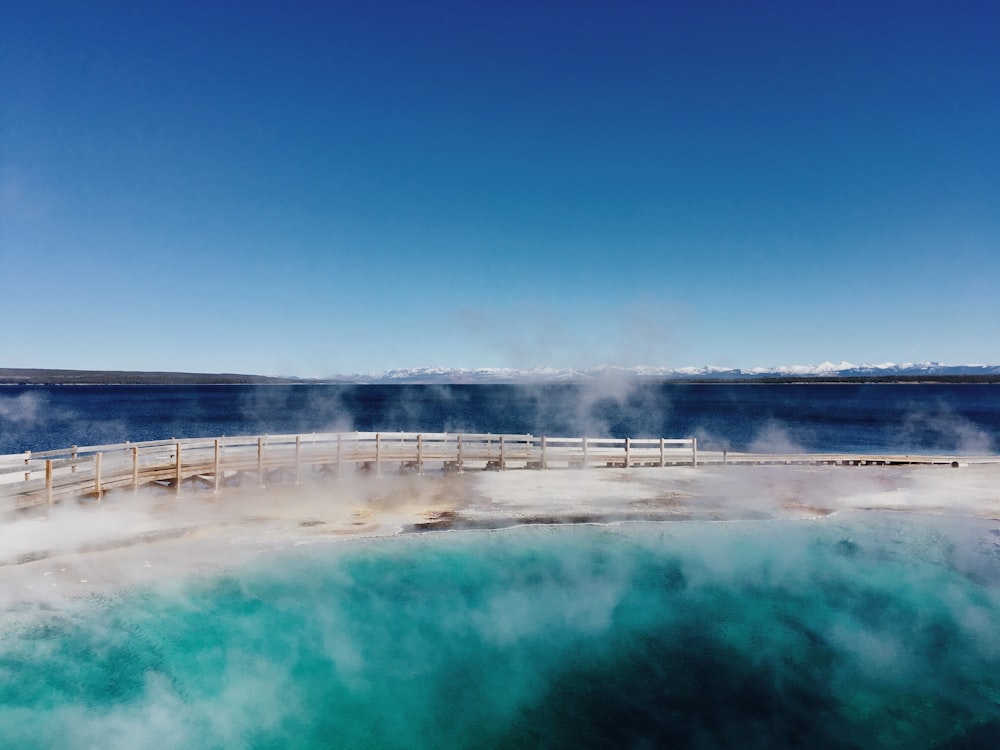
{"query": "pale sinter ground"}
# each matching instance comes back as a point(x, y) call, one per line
point(155, 537)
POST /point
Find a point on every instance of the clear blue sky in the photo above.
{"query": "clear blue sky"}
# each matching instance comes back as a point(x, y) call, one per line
point(311, 188)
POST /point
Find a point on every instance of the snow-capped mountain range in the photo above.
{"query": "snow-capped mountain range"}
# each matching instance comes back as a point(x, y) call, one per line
point(444, 375)
point(599, 372)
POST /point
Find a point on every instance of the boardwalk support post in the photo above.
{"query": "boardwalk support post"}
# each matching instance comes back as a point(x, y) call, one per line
point(48, 481)
point(260, 461)
point(216, 465)
point(97, 476)
point(298, 459)
point(177, 469)
point(694, 451)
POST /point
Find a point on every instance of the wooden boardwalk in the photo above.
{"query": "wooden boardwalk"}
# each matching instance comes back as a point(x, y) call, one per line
point(47, 477)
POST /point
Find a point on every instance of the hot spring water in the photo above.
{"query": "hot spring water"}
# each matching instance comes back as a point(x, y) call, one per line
point(858, 630)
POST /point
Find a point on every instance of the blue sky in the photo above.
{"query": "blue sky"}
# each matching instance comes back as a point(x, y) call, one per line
point(313, 188)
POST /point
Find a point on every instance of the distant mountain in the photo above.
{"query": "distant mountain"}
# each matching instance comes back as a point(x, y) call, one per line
point(822, 371)
point(825, 371)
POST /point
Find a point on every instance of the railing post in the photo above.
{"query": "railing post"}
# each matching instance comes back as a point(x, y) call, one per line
point(420, 454)
point(544, 458)
point(662, 455)
point(178, 476)
point(503, 461)
point(340, 437)
point(260, 461)
point(298, 460)
point(378, 454)
point(216, 465)
point(460, 453)
point(694, 451)
point(585, 453)
point(97, 476)
point(135, 468)
point(72, 455)
point(48, 481)
point(27, 466)
point(628, 449)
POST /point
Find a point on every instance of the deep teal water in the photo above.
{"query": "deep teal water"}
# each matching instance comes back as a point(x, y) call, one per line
point(870, 630)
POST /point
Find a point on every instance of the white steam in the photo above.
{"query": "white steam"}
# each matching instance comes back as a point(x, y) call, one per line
point(22, 411)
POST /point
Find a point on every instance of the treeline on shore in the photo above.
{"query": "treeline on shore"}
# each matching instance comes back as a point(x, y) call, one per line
point(22, 376)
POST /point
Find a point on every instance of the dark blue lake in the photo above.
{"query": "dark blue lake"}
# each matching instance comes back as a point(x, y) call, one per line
point(898, 418)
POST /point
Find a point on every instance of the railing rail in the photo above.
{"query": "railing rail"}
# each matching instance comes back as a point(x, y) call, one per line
point(43, 477)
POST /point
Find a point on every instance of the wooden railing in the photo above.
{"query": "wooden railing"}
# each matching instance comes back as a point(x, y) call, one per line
point(38, 478)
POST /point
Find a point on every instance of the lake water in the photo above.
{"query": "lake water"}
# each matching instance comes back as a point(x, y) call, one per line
point(859, 630)
point(898, 418)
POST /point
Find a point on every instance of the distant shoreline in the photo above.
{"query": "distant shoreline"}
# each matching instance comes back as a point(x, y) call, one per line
point(28, 376)
point(19, 376)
